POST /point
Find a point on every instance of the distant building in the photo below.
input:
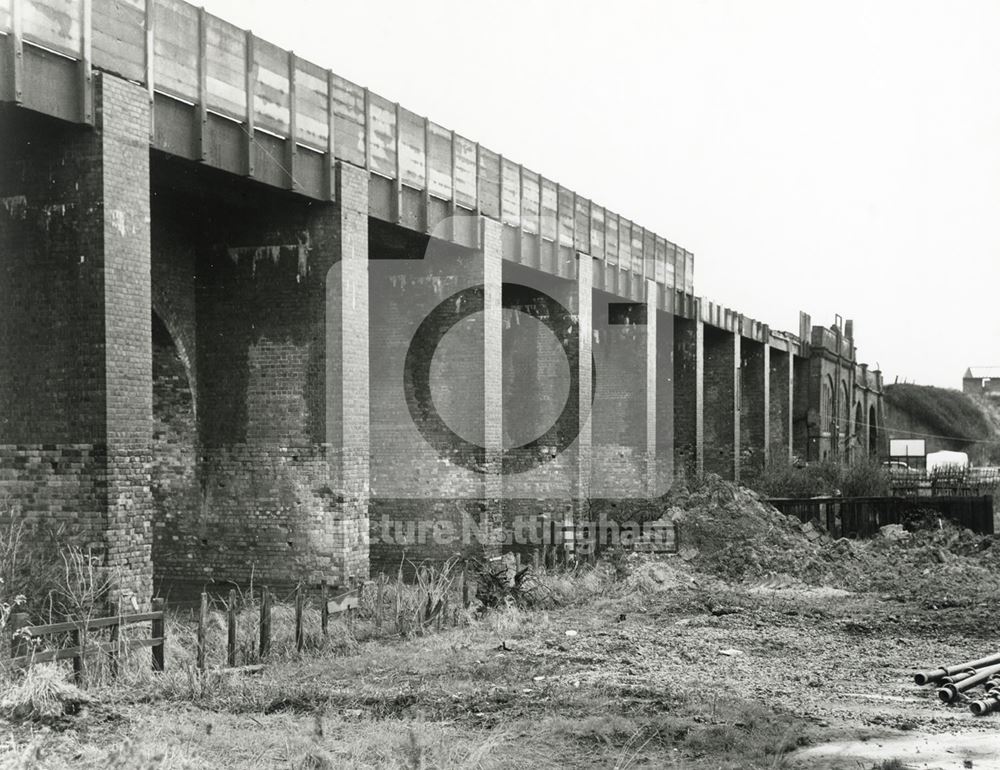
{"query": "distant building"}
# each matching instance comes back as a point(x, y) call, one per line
point(982, 381)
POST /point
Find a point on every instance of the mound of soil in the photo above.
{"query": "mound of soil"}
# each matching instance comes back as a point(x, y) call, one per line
point(729, 531)
point(733, 533)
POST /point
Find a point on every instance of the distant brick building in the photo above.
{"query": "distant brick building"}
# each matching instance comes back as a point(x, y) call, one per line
point(840, 412)
point(982, 381)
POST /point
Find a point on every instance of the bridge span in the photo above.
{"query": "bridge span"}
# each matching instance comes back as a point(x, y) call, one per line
point(257, 319)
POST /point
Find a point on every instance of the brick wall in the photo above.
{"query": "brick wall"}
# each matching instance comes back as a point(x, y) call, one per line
point(261, 304)
point(58, 489)
point(665, 384)
point(52, 289)
point(174, 272)
point(123, 115)
point(780, 412)
point(686, 396)
point(536, 391)
point(174, 470)
point(619, 418)
point(341, 235)
point(720, 413)
point(75, 390)
point(415, 485)
point(800, 406)
point(754, 407)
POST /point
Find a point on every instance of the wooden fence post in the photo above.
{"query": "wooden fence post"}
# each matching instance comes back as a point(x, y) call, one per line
point(380, 589)
point(115, 637)
point(395, 601)
point(78, 669)
point(202, 630)
point(231, 639)
point(324, 613)
point(159, 632)
point(18, 641)
point(352, 585)
point(265, 622)
point(299, 602)
point(465, 585)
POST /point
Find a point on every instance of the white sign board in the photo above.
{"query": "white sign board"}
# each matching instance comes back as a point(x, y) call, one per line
point(907, 447)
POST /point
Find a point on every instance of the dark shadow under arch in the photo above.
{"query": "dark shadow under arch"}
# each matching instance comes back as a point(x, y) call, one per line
point(174, 456)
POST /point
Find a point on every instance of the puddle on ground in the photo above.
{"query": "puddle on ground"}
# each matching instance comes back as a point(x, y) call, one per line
point(946, 751)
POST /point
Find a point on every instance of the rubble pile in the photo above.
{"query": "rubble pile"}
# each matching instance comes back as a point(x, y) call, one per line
point(940, 565)
point(731, 532)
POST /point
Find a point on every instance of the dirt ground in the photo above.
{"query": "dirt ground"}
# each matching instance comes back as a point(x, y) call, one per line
point(682, 661)
point(689, 672)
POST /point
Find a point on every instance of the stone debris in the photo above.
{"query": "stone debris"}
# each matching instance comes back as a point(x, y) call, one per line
point(894, 532)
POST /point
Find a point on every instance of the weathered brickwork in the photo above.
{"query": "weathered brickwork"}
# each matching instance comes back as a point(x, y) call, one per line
point(779, 406)
point(174, 470)
point(123, 120)
point(721, 423)
point(174, 273)
point(800, 404)
point(57, 489)
point(663, 374)
point(540, 502)
point(412, 482)
point(74, 229)
point(620, 409)
point(754, 404)
point(688, 362)
point(273, 313)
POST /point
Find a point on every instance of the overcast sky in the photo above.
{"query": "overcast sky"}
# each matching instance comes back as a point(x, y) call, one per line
point(833, 157)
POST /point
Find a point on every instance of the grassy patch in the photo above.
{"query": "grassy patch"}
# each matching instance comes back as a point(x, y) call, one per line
point(507, 689)
point(780, 478)
point(945, 411)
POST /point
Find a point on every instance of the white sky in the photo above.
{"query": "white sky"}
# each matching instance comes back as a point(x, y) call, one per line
point(835, 157)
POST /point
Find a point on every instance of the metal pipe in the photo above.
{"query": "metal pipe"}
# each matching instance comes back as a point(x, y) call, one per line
point(935, 675)
point(949, 692)
point(985, 705)
point(958, 677)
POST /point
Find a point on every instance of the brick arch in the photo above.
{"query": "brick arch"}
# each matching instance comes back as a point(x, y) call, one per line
point(826, 403)
point(174, 473)
point(172, 311)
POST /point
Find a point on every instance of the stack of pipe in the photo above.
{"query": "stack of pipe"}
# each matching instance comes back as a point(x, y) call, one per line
point(954, 683)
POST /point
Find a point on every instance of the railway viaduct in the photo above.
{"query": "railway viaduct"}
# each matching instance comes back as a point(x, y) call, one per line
point(217, 265)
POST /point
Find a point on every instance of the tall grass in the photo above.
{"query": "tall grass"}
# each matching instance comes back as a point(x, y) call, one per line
point(861, 478)
point(28, 568)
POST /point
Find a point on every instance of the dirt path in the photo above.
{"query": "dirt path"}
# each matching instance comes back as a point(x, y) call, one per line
point(943, 751)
